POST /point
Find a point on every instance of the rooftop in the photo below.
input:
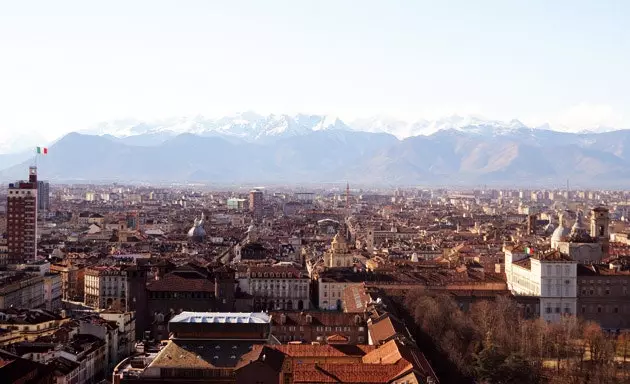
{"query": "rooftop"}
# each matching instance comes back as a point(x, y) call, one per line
point(222, 317)
point(201, 354)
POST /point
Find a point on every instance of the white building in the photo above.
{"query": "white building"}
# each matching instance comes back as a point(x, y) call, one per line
point(279, 288)
point(550, 276)
point(106, 287)
point(126, 331)
point(330, 290)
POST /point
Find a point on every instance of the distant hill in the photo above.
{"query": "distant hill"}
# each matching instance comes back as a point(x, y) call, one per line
point(519, 155)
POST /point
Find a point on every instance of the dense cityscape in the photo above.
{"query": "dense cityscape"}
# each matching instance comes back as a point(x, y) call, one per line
point(314, 192)
point(138, 284)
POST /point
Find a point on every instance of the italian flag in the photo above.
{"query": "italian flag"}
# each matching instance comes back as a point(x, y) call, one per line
point(42, 150)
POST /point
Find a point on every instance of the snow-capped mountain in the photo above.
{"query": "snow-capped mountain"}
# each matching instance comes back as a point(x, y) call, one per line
point(250, 126)
point(247, 126)
point(253, 127)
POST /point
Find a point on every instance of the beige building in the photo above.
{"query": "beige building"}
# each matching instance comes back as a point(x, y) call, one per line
point(277, 288)
point(28, 325)
point(21, 290)
point(106, 287)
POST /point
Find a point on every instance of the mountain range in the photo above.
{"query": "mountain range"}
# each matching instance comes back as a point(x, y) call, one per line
point(309, 148)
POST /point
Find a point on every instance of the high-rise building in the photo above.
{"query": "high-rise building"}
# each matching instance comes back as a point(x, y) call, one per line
point(43, 195)
point(22, 219)
point(256, 203)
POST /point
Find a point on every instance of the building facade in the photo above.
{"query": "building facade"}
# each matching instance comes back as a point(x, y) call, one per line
point(52, 291)
point(604, 296)
point(551, 277)
point(22, 219)
point(277, 288)
point(106, 287)
point(43, 195)
point(317, 326)
point(21, 290)
point(256, 203)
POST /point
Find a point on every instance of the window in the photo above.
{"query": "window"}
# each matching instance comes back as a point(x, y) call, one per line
point(599, 309)
point(557, 309)
point(615, 310)
point(548, 310)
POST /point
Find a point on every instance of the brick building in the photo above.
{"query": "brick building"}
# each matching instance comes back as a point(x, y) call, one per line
point(604, 296)
point(315, 326)
point(22, 219)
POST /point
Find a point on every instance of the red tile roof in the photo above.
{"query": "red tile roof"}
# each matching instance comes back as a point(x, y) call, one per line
point(308, 350)
point(175, 283)
point(344, 373)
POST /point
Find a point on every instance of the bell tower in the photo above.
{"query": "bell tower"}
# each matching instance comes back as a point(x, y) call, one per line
point(600, 221)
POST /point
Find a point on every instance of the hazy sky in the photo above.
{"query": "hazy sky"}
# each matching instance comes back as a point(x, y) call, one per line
point(66, 65)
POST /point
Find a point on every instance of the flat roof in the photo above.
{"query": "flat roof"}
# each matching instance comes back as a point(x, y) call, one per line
point(222, 317)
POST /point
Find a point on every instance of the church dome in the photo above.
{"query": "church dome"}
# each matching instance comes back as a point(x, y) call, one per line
point(339, 244)
point(559, 234)
point(197, 232)
point(579, 232)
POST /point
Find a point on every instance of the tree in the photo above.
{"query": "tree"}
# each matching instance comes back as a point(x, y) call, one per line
point(494, 367)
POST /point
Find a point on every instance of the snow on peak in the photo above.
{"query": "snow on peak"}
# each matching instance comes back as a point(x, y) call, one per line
point(251, 126)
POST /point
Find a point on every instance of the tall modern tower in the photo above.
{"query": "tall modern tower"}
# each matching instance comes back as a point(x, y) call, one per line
point(22, 219)
point(43, 195)
point(256, 203)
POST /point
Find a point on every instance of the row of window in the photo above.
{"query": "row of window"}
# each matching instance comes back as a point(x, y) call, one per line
point(567, 310)
point(288, 338)
point(274, 274)
point(567, 270)
point(599, 309)
point(599, 281)
point(590, 291)
point(285, 328)
point(180, 295)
